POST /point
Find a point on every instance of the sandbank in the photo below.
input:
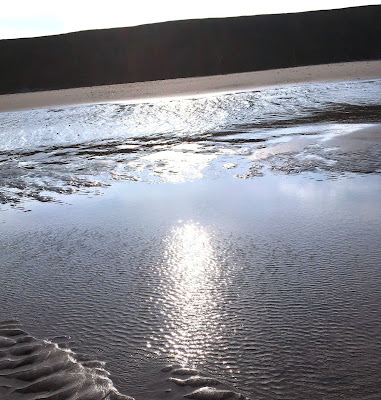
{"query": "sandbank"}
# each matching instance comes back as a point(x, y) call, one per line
point(190, 87)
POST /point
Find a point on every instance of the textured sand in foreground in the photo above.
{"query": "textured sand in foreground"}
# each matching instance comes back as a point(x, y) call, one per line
point(189, 87)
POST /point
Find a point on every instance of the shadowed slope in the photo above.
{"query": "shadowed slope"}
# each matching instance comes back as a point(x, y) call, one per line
point(191, 48)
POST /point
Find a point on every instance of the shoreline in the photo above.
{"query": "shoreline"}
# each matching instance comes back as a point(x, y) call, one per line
point(191, 87)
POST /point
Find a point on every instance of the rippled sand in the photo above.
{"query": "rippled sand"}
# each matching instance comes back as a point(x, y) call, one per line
point(40, 369)
point(225, 247)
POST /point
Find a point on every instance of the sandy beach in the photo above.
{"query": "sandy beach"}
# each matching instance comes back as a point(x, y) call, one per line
point(192, 87)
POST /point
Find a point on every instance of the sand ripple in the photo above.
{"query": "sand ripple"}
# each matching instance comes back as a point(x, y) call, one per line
point(33, 369)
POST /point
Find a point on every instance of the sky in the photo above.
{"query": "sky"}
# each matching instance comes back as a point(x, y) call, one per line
point(28, 18)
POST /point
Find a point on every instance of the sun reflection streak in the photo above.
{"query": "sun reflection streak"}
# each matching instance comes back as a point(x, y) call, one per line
point(190, 263)
point(179, 164)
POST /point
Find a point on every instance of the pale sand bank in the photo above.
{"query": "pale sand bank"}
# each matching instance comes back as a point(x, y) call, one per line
point(189, 87)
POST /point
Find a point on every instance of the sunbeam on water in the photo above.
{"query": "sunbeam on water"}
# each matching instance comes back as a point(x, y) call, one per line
point(231, 250)
point(192, 271)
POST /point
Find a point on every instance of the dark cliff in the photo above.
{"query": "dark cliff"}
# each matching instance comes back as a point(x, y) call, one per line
point(190, 48)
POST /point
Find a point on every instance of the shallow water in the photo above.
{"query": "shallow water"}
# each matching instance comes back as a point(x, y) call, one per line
point(235, 235)
point(53, 151)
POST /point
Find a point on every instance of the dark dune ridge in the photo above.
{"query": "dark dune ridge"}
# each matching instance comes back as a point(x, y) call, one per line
point(191, 48)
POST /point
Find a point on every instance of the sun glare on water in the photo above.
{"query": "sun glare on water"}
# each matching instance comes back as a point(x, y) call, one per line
point(190, 263)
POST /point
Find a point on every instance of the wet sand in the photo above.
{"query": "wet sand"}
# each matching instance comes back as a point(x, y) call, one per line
point(191, 87)
point(360, 140)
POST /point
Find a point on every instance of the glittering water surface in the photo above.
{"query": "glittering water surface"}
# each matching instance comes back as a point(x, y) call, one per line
point(291, 129)
point(235, 237)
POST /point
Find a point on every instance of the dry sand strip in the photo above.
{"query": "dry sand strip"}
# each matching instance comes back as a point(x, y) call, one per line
point(191, 87)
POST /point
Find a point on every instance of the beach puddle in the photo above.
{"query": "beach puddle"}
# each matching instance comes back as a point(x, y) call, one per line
point(224, 247)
